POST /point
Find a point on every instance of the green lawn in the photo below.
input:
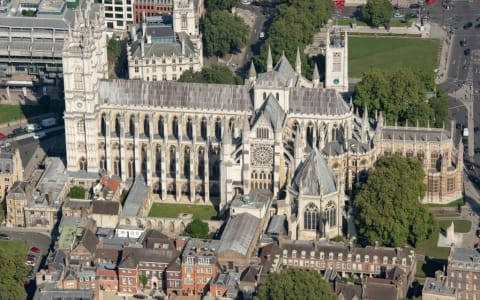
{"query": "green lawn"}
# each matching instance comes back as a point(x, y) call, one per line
point(429, 247)
point(348, 22)
point(168, 210)
point(10, 113)
point(456, 203)
point(13, 246)
point(390, 53)
point(461, 226)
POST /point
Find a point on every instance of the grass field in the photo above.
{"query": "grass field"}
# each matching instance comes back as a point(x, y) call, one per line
point(461, 226)
point(10, 113)
point(13, 246)
point(390, 53)
point(202, 212)
point(429, 247)
point(456, 203)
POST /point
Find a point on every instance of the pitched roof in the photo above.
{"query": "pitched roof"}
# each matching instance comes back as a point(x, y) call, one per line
point(89, 241)
point(173, 94)
point(110, 183)
point(282, 75)
point(272, 112)
point(105, 207)
point(379, 289)
point(314, 176)
point(239, 234)
point(314, 101)
point(133, 256)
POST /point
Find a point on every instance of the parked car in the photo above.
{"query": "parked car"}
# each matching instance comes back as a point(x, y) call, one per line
point(468, 25)
point(414, 6)
point(4, 236)
point(39, 135)
point(15, 132)
point(35, 250)
point(32, 256)
point(467, 52)
point(2, 136)
point(5, 145)
point(398, 15)
point(31, 264)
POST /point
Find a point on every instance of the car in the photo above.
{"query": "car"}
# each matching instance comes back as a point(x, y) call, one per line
point(31, 264)
point(262, 35)
point(463, 43)
point(15, 132)
point(139, 296)
point(398, 15)
point(414, 6)
point(4, 236)
point(5, 145)
point(35, 250)
point(39, 135)
point(2, 136)
point(32, 256)
point(468, 25)
point(467, 52)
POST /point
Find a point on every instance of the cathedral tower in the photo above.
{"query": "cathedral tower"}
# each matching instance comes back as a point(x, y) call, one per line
point(336, 73)
point(184, 17)
point(84, 64)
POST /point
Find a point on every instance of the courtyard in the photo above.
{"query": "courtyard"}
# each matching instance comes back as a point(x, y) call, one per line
point(172, 210)
point(389, 53)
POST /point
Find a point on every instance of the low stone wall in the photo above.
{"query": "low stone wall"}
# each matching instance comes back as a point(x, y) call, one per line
point(171, 227)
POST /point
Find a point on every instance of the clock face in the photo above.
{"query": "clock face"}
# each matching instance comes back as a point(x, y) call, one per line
point(336, 81)
point(262, 155)
point(79, 104)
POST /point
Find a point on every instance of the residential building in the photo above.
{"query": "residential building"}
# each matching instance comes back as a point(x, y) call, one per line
point(39, 204)
point(199, 265)
point(160, 53)
point(83, 254)
point(340, 258)
point(107, 188)
point(33, 45)
point(107, 279)
point(437, 288)
point(105, 213)
point(146, 262)
point(225, 285)
point(11, 170)
point(117, 13)
point(463, 272)
point(148, 8)
point(173, 278)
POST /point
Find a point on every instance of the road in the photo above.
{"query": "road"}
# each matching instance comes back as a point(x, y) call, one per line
point(453, 22)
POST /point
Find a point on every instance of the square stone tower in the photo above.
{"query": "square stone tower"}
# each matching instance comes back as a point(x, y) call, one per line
point(336, 60)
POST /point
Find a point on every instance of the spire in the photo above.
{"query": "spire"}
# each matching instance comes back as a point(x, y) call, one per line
point(269, 60)
point(252, 74)
point(298, 63)
point(316, 76)
point(365, 118)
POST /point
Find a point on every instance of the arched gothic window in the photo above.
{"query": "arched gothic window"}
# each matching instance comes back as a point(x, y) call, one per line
point(78, 79)
point(82, 164)
point(311, 217)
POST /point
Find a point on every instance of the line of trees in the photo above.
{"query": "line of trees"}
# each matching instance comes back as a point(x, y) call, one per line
point(294, 25)
point(212, 74)
point(223, 32)
point(401, 95)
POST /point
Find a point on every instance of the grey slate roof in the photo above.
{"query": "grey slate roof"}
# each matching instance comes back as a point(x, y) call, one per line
point(314, 175)
point(317, 101)
point(138, 193)
point(277, 224)
point(239, 234)
point(29, 22)
point(282, 75)
point(413, 133)
point(273, 112)
point(175, 95)
point(160, 49)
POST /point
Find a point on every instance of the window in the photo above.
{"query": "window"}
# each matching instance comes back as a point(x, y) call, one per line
point(262, 133)
point(337, 62)
point(136, 69)
point(78, 79)
point(311, 217)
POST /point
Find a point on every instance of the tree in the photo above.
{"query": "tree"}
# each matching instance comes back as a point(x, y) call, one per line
point(377, 12)
point(400, 95)
point(294, 26)
point(224, 33)
point(214, 74)
point(387, 206)
point(293, 283)
point(439, 105)
point(113, 50)
point(143, 280)
point(77, 192)
point(14, 271)
point(221, 4)
point(197, 229)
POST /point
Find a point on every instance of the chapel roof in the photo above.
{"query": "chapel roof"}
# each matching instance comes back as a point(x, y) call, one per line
point(314, 176)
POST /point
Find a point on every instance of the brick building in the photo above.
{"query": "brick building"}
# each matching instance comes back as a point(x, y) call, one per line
point(463, 272)
point(148, 8)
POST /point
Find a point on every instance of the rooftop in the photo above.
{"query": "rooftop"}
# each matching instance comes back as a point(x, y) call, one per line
point(239, 234)
point(439, 287)
point(255, 199)
point(51, 184)
point(401, 134)
point(137, 195)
